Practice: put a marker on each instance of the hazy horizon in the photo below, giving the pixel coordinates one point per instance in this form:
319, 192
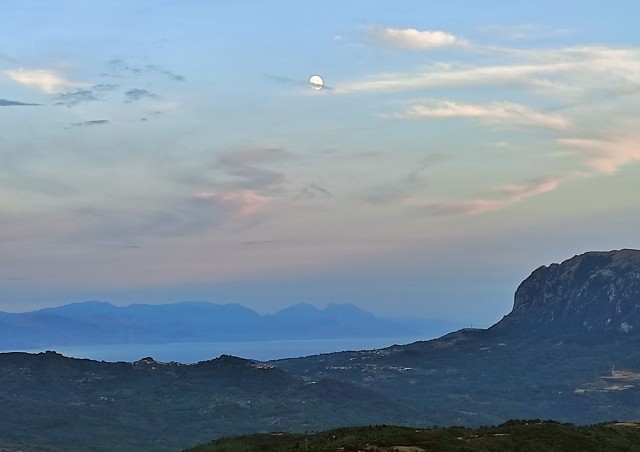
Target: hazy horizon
319, 307
160, 151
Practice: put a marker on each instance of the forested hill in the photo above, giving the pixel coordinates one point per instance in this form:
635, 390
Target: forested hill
531, 435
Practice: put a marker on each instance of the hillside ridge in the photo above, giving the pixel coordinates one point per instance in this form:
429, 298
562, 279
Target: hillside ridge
595, 292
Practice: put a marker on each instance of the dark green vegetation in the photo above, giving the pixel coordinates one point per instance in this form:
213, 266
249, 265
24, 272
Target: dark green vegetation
58, 403
532, 435
481, 378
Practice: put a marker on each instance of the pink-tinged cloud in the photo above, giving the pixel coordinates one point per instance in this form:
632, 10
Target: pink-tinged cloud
411, 38
506, 112
518, 192
511, 194
243, 203
43, 79
607, 156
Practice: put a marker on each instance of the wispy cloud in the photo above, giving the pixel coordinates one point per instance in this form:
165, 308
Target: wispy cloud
95, 122
607, 156
561, 89
243, 203
14, 103
524, 31
410, 38
169, 74
73, 98
46, 80
93, 93
137, 94
403, 189
181, 217
287, 80
561, 72
506, 112
160, 109
245, 186
252, 185
152, 114
315, 191
507, 196
242, 193
249, 171
118, 65
224, 205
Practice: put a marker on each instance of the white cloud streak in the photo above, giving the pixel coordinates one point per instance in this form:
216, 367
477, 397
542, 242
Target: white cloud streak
570, 71
413, 39
524, 31
506, 112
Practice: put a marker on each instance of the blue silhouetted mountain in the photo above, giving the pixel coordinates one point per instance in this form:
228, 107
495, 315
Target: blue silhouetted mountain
337, 320
81, 309
96, 322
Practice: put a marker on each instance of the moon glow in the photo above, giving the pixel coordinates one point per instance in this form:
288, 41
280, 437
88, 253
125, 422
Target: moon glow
316, 82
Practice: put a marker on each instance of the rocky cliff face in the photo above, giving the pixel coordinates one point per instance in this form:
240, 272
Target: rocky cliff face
591, 292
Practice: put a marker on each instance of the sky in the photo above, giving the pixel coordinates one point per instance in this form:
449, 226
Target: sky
160, 151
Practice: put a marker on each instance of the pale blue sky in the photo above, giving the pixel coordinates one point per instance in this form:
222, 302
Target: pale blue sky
172, 150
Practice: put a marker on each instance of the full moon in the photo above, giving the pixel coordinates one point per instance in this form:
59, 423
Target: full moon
316, 82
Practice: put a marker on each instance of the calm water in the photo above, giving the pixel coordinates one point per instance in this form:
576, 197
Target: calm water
194, 352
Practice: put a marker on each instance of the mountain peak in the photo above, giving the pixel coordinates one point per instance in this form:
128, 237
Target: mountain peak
85, 307
598, 291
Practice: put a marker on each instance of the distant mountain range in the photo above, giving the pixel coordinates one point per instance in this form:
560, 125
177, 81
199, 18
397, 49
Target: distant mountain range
569, 351
94, 322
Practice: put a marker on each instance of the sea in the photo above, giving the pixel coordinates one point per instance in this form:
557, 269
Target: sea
193, 352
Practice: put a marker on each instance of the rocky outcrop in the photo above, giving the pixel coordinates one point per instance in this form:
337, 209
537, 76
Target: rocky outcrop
592, 292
